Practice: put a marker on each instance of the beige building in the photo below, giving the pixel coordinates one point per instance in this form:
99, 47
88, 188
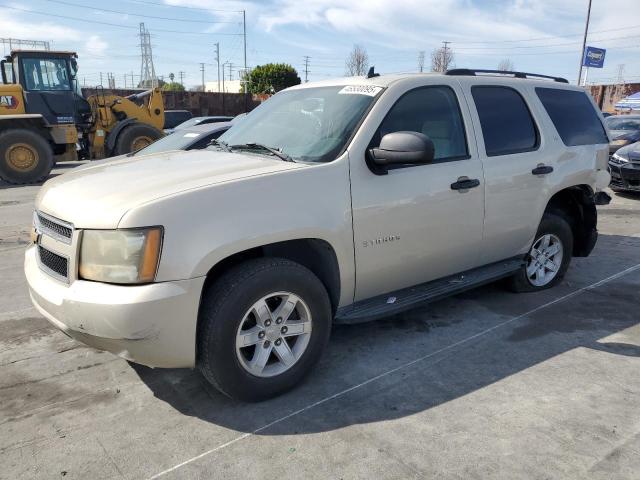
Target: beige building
230, 86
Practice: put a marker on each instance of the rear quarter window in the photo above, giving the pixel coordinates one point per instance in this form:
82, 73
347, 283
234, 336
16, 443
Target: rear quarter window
573, 115
507, 124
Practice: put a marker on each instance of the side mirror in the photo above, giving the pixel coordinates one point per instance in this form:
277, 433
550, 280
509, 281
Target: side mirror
409, 148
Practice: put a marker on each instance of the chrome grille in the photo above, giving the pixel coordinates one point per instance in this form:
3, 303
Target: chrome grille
57, 265
53, 227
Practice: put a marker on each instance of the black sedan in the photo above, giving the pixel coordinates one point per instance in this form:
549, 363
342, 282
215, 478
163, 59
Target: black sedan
624, 166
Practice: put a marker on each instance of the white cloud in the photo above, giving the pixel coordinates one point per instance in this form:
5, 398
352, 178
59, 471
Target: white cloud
95, 46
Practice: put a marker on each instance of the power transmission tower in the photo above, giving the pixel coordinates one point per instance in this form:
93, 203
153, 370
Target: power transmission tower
202, 71
147, 71
306, 68
621, 73
218, 62
181, 75
421, 61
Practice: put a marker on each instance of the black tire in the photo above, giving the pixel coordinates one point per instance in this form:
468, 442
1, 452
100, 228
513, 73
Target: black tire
25, 157
225, 303
133, 136
552, 223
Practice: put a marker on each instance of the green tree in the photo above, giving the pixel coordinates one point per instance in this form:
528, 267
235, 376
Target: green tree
272, 77
173, 87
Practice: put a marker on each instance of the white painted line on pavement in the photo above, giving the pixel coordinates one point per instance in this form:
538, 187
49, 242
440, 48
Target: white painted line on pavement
400, 367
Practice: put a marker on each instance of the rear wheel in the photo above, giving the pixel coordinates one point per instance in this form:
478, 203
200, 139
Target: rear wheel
549, 256
134, 137
263, 326
25, 156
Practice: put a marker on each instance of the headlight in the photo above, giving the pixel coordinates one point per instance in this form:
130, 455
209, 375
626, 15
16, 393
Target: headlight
120, 256
617, 158
621, 142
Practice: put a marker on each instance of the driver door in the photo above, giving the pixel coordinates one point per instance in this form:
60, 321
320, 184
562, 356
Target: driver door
411, 225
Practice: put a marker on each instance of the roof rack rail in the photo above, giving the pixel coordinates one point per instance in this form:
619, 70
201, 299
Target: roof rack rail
469, 72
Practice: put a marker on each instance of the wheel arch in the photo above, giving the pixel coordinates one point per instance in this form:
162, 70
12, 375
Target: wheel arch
36, 123
315, 254
112, 137
577, 204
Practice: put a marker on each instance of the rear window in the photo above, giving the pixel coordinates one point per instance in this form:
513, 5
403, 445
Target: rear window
507, 125
573, 115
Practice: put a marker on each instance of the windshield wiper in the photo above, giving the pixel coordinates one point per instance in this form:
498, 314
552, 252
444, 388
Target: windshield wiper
258, 146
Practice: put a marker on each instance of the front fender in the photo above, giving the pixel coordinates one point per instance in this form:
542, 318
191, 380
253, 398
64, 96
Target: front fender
204, 226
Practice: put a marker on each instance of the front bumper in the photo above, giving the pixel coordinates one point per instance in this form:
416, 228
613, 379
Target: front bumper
625, 176
153, 324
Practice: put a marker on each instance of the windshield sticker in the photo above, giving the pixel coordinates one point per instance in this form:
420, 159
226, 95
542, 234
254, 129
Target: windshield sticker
190, 135
370, 90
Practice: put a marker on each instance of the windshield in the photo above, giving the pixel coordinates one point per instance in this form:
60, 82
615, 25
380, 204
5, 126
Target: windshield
308, 124
46, 74
173, 141
622, 123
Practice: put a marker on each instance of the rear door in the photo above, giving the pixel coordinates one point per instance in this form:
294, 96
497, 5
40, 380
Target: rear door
518, 165
410, 225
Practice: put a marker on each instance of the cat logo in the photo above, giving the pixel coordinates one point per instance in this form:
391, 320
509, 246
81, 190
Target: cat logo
8, 101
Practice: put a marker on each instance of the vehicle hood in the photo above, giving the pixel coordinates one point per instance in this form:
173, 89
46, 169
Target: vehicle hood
97, 196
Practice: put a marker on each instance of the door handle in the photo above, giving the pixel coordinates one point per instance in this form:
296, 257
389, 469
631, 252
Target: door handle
542, 170
464, 183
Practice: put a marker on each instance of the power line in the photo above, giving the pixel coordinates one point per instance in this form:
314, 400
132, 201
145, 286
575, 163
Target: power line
84, 20
550, 37
133, 14
147, 2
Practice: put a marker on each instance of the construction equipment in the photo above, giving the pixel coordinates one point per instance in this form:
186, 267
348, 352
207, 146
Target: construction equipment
44, 117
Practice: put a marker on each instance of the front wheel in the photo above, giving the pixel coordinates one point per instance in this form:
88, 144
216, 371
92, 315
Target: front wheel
549, 256
263, 325
134, 137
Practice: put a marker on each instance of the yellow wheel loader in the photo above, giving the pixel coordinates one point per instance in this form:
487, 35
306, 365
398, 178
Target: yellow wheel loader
44, 118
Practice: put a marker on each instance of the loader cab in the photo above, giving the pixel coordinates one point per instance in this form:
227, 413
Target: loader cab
50, 85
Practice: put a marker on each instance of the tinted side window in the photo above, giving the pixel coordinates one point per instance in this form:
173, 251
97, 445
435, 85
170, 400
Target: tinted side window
433, 111
573, 116
507, 125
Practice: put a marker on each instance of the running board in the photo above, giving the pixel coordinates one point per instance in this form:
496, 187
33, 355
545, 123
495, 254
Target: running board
400, 300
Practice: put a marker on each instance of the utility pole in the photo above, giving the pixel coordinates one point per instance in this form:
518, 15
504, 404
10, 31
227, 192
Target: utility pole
584, 42
125, 81
202, 71
181, 75
223, 75
218, 62
100, 78
246, 72
230, 71
445, 63
306, 68
133, 82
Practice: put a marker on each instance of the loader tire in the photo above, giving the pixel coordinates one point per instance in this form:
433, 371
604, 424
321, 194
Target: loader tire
25, 156
134, 137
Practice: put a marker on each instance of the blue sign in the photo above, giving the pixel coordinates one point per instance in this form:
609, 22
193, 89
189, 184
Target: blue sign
594, 57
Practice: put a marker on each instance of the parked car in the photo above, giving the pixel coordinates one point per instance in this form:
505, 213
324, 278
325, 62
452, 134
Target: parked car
398, 190
192, 138
202, 120
624, 130
624, 166
173, 118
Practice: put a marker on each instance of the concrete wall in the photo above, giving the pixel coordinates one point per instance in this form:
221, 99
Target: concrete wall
606, 96
198, 103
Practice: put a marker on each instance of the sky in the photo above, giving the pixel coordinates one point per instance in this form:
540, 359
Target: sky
540, 36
